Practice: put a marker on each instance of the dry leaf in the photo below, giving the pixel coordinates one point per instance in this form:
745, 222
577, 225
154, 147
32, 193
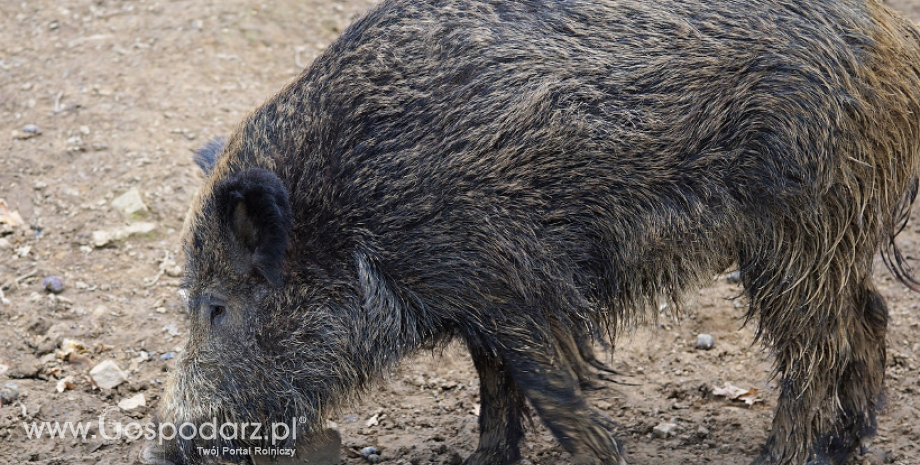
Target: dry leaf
373, 421
66, 384
732, 392
8, 216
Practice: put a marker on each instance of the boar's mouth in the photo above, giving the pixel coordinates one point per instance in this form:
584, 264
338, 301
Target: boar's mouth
157, 454
191, 439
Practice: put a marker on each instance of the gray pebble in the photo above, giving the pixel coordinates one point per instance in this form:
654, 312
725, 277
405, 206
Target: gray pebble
9, 393
30, 129
25, 369
53, 284
705, 341
168, 356
373, 458
734, 277
368, 451
454, 459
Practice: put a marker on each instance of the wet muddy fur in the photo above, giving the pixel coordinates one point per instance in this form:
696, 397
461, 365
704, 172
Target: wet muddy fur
531, 177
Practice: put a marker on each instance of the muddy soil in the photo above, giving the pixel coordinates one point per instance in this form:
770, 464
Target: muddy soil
102, 97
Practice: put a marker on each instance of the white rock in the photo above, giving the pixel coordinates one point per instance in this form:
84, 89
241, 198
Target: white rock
108, 375
665, 430
136, 228
705, 341
131, 203
103, 238
132, 403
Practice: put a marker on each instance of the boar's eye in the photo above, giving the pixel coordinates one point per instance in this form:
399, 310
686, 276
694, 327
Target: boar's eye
217, 313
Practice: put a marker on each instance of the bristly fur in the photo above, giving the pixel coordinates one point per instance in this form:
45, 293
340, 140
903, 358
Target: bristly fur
533, 176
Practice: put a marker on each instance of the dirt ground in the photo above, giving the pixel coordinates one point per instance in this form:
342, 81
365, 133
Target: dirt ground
122, 92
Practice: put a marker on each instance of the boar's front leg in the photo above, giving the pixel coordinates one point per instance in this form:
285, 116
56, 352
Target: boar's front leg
544, 374
502, 409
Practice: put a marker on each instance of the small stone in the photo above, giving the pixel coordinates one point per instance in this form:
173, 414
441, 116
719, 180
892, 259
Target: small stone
53, 284
132, 403
103, 238
108, 375
734, 277
136, 229
168, 356
28, 131
9, 393
373, 458
29, 368
664, 430
367, 451
705, 341
131, 203
5, 244
702, 432
454, 458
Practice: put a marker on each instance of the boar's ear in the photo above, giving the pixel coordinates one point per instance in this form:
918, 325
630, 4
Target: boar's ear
206, 156
254, 208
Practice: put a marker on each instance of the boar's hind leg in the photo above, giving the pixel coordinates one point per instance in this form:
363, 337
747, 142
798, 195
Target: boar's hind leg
829, 342
502, 409
860, 387
551, 385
